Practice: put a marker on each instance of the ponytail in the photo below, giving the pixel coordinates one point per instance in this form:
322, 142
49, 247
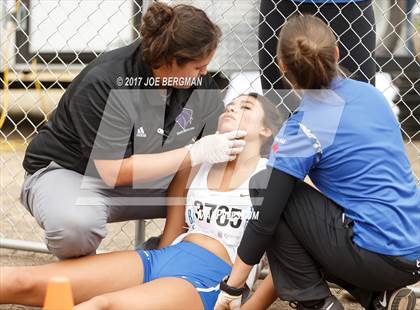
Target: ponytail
182, 32
307, 47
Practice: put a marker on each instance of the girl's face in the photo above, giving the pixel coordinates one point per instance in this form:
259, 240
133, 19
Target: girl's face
244, 113
188, 71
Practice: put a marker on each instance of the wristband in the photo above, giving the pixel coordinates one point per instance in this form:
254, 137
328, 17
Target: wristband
234, 291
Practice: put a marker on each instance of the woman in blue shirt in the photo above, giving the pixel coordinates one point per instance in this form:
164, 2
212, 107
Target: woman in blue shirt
361, 230
352, 21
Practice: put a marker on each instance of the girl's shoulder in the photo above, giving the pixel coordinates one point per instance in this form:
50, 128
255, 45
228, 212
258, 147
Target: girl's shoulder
262, 164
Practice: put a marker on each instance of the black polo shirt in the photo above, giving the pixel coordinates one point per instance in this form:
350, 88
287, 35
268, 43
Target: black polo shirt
110, 111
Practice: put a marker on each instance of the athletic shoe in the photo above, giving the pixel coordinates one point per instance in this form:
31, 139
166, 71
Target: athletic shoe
330, 303
399, 299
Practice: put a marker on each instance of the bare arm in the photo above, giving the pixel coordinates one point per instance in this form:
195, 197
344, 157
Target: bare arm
264, 296
142, 167
240, 273
175, 214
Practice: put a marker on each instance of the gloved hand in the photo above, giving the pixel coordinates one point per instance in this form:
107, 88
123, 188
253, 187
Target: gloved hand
226, 301
217, 148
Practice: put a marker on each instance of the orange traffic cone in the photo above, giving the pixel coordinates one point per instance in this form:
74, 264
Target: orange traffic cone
59, 295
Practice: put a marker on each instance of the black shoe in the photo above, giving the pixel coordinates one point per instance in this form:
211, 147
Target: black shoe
330, 303
399, 299
152, 243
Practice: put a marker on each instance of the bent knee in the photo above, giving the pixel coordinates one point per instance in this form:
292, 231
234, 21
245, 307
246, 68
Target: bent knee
75, 236
20, 283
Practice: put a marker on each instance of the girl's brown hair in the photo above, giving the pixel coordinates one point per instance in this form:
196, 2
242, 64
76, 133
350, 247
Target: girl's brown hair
181, 32
307, 47
273, 120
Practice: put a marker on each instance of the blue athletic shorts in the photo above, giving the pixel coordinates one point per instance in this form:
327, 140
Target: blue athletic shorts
188, 261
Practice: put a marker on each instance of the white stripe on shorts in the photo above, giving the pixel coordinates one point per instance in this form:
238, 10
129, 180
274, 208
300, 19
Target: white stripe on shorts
208, 289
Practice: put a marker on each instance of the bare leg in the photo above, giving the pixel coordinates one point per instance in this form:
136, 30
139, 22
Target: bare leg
89, 276
160, 294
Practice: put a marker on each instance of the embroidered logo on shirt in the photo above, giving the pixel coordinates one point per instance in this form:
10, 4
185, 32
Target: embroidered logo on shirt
276, 144
184, 119
141, 133
275, 147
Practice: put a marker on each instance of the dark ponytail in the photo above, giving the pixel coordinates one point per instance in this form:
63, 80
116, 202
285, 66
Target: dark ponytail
182, 32
157, 18
307, 47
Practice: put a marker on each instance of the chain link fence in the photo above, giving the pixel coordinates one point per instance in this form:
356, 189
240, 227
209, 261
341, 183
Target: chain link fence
46, 43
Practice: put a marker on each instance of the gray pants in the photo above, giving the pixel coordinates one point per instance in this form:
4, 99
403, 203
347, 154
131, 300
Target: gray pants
73, 209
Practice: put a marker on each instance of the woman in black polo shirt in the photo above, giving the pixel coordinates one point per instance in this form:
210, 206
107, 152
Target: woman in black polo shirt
120, 130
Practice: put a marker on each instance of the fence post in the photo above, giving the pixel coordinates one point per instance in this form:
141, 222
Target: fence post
140, 231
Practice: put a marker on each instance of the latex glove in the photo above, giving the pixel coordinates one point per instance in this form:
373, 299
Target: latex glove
226, 301
217, 148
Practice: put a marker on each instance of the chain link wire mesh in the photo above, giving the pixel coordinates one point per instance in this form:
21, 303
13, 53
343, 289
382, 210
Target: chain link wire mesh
45, 44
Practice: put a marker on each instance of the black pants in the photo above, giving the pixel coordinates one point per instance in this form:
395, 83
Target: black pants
313, 245
353, 24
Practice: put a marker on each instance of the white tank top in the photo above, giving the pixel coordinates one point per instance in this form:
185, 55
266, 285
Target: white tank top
220, 215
